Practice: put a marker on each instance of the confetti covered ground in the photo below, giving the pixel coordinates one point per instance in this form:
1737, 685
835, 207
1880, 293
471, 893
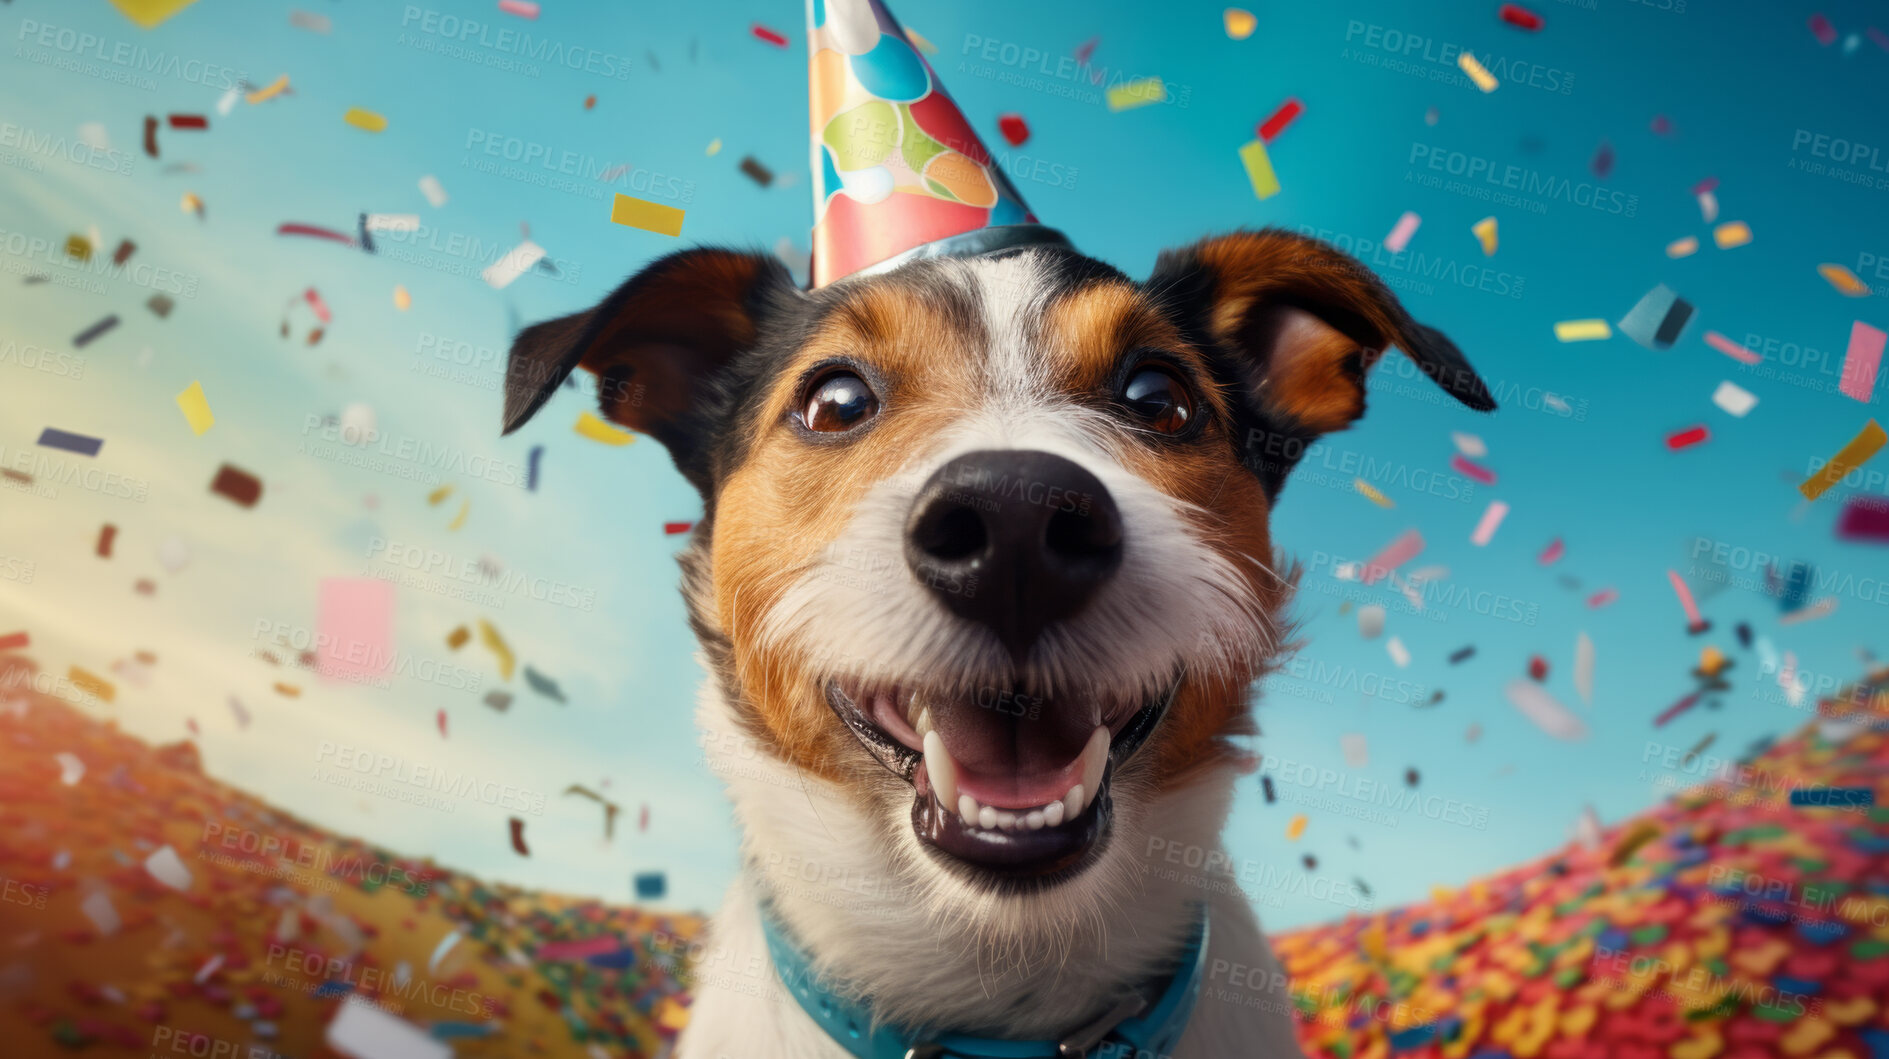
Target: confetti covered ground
1728, 923
278, 924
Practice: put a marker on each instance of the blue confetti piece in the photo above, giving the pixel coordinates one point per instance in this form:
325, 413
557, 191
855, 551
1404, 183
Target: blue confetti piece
1413, 1037
54, 438
1656, 322
446, 1031
1834, 797
84, 338
531, 467
1823, 931
1613, 939
1803, 986
327, 989
651, 885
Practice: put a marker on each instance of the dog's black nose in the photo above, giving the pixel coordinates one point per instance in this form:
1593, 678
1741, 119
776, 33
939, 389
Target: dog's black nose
1013, 539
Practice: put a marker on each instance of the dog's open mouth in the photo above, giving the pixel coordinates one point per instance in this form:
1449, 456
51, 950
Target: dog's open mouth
1005, 780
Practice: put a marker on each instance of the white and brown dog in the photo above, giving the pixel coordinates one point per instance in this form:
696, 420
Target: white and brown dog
984, 574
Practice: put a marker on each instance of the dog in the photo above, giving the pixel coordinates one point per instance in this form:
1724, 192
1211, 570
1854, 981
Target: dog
982, 584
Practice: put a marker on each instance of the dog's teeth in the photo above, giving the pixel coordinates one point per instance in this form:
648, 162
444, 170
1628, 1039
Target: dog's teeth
942, 770
1007, 821
967, 809
1053, 814
923, 727
1073, 803
987, 817
1033, 820
1094, 759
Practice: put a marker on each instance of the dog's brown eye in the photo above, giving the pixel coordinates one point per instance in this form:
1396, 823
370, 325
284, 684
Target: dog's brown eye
1160, 399
840, 401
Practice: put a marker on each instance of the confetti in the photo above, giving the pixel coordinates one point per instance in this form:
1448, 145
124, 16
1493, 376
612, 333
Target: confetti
1370, 621
521, 8
649, 216
65, 441
1731, 234
355, 627
237, 485
1462, 654
1552, 553
1732, 349
1485, 232
671, 529
1687, 438
272, 90
518, 837
1519, 17
1683, 247
1734, 399
1532, 701
714, 147
1821, 28
435, 194
362, 1030
1401, 232
440, 950
1395, 554
402, 300
167, 867
1863, 519
1398, 652
750, 167
465, 507
544, 685
1657, 320
1861, 362
1602, 163
1694, 623
71, 769
489, 636
1844, 280
314, 231
1370, 492
1823, 608
1483, 78
1259, 170
1357, 752
498, 699
365, 120
517, 261
1295, 827
1582, 330
98, 908
531, 467
1491, 521
763, 33
86, 337
240, 711
651, 885
1284, 116
1708, 206
590, 426
1132, 94
1015, 130
1469, 445
1867, 442
1666, 716
1240, 23
196, 409
310, 21
1464, 467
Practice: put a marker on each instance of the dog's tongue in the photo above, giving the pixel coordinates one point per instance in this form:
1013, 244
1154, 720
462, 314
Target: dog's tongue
1016, 752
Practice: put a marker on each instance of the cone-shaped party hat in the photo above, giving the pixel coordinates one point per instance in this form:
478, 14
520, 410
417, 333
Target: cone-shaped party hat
897, 171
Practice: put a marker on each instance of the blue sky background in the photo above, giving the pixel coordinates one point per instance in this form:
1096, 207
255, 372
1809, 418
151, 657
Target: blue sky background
1737, 81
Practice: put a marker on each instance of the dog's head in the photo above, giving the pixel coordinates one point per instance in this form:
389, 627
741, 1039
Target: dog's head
985, 542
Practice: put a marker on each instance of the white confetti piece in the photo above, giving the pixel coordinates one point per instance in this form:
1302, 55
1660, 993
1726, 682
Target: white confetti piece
173, 554
99, 909
393, 222
364, 1031
166, 867
1469, 445
1584, 667
430, 187
1734, 399
1370, 621
1398, 652
1534, 703
1357, 751
516, 262
71, 769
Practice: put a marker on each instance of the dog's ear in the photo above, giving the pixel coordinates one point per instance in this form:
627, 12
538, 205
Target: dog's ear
1297, 324
655, 344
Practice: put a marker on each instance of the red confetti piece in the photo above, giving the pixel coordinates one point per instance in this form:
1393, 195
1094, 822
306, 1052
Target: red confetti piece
1602, 598
106, 534
1464, 467
763, 33
518, 837
296, 228
1520, 17
1687, 438
1538, 668
1281, 118
1603, 163
189, 121
1662, 125
237, 485
642, 819
150, 135
321, 307
1821, 28
442, 724
1552, 553
13, 641
672, 528
1014, 128
1676, 709
1086, 49
1865, 519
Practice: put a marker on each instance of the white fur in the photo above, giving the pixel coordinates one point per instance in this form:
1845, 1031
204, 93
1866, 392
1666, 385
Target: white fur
841, 864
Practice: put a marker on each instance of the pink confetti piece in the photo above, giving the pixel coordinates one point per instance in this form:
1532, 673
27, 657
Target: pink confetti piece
355, 619
1693, 620
1462, 465
521, 8
1602, 598
1394, 555
1862, 361
1881, 38
1492, 517
1676, 709
1732, 349
1706, 186
313, 298
1552, 553
1821, 28
1400, 235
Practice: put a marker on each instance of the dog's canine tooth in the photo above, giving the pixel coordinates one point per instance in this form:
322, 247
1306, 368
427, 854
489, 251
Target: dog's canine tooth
941, 769
1053, 814
1073, 802
967, 809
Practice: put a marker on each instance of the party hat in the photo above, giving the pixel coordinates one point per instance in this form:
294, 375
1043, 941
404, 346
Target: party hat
897, 172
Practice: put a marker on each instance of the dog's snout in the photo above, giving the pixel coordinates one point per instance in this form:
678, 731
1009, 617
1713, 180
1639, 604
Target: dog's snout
1013, 539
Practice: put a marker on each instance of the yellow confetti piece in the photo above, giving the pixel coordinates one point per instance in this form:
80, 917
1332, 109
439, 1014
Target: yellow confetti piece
496, 644
714, 147
1259, 169
196, 409
91, 683
1296, 827
433, 498
288, 690
365, 119
149, 13
1683, 247
1485, 231
1582, 330
402, 300
918, 41
191, 203
1844, 280
1370, 493
458, 637
589, 426
649, 216
272, 90
1483, 78
79, 247
1731, 234
1240, 23
460, 519
1137, 94
1867, 442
